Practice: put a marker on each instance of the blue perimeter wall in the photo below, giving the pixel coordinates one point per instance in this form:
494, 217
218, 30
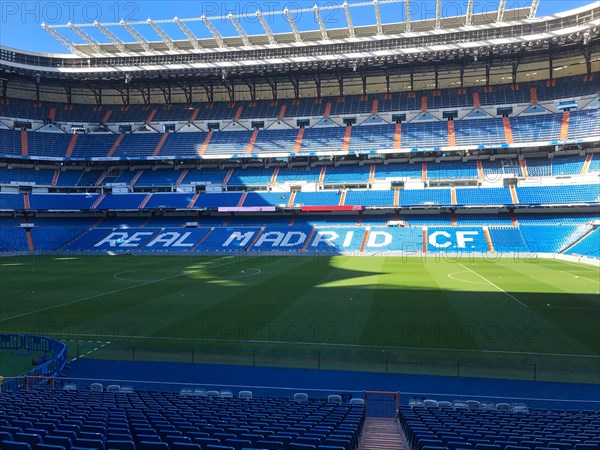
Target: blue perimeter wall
282, 382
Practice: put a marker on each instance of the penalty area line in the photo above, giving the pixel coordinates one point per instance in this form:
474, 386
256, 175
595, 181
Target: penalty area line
496, 286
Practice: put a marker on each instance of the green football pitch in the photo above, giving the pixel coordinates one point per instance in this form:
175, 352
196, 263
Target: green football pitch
503, 318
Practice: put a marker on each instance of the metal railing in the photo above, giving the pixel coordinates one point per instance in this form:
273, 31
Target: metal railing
51, 364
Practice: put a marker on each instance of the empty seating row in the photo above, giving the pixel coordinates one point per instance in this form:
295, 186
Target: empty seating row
471, 425
504, 94
70, 419
413, 135
434, 197
300, 234
347, 174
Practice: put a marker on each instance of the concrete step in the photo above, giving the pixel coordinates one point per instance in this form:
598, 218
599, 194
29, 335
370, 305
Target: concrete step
381, 434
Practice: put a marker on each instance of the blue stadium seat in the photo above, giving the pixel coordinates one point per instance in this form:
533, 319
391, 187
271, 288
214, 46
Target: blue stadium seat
147, 445
120, 445
5, 436
271, 445
12, 445
207, 441
185, 446
90, 443
32, 439
58, 440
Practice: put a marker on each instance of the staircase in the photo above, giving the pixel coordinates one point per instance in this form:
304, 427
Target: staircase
381, 434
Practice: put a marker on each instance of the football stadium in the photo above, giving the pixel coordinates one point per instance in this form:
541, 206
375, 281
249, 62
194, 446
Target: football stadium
290, 226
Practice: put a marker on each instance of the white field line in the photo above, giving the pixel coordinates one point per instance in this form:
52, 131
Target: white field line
581, 267
579, 277
102, 345
496, 286
452, 277
116, 291
115, 337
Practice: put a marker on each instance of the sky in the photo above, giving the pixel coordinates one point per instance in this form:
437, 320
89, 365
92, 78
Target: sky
20, 21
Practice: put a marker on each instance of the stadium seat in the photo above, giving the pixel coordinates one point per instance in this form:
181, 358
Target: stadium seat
120, 445
31, 439
5, 436
145, 445
300, 397
60, 441
245, 395
238, 444
271, 445
12, 445
90, 443
207, 441
336, 399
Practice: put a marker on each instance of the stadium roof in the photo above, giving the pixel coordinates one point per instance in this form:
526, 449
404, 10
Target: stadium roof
496, 35
143, 34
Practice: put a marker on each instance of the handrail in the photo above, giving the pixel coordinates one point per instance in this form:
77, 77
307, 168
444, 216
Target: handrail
49, 368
